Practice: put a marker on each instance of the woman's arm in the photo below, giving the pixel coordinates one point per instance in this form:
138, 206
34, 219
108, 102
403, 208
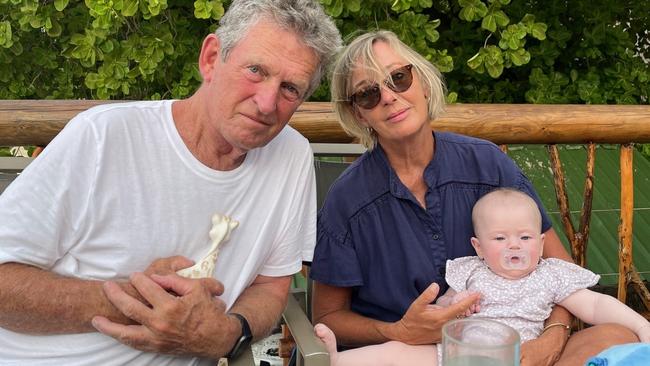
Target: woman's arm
547, 348
422, 323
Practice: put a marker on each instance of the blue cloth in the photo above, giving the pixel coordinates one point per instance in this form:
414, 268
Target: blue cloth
631, 354
375, 237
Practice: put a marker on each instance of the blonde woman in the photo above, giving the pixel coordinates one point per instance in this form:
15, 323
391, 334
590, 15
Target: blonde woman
398, 213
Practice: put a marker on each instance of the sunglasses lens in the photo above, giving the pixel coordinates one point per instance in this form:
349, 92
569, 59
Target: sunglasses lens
400, 81
367, 98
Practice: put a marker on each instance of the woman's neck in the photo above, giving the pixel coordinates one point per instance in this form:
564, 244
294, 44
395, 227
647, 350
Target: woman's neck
411, 154
409, 158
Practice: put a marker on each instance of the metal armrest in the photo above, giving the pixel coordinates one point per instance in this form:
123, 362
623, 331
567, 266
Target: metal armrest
310, 348
245, 359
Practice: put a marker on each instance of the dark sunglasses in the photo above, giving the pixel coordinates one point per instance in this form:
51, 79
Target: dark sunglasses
399, 81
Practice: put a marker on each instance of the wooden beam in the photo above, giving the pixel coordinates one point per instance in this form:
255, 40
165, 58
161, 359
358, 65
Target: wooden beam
36, 122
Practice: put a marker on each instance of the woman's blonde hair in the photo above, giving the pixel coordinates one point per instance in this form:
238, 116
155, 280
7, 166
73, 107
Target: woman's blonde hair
359, 54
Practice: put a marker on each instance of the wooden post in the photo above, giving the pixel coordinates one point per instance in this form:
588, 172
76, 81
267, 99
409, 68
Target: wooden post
625, 226
579, 253
561, 196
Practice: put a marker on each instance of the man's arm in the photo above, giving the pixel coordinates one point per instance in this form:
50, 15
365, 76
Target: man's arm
36, 301
186, 317
262, 303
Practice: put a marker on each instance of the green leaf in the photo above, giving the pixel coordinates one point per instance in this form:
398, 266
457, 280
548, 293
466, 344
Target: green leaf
55, 30
201, 10
130, 7
539, 31
91, 80
475, 61
353, 5
337, 9
489, 23
501, 18
431, 33
494, 70
518, 57
59, 5
467, 14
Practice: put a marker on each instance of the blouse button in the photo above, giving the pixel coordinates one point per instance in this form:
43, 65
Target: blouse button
435, 236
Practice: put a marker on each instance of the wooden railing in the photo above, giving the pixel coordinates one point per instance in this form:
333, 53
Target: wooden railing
37, 122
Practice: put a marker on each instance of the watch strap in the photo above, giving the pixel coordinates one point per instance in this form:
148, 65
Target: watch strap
243, 340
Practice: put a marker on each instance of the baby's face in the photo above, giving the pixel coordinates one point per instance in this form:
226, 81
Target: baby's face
509, 240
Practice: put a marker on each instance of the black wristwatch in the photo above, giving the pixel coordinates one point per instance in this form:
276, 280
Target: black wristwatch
244, 339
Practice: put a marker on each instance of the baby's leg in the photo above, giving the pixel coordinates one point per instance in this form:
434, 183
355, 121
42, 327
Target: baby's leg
386, 354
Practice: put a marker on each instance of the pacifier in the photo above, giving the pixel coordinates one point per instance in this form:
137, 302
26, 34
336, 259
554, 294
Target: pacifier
515, 259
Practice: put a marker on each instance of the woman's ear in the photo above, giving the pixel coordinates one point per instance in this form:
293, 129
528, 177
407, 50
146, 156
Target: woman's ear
209, 56
477, 247
359, 116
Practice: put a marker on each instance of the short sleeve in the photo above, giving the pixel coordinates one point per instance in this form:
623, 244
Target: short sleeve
459, 270
43, 209
569, 278
298, 238
335, 261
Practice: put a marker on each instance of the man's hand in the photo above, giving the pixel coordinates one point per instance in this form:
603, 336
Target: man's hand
169, 265
184, 317
160, 266
422, 323
544, 350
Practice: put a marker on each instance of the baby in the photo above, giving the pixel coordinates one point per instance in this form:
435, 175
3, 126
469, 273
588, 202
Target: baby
517, 286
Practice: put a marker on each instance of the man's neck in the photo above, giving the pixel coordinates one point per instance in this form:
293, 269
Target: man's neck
202, 138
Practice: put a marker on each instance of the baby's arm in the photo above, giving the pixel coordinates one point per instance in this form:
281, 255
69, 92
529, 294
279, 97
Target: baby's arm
451, 297
596, 308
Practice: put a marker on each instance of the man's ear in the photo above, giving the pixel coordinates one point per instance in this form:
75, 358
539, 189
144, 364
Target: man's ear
209, 56
477, 246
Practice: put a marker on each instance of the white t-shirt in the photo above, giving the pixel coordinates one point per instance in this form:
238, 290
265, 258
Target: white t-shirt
117, 188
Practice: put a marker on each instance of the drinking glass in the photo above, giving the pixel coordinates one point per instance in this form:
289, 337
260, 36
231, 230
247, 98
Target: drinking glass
479, 342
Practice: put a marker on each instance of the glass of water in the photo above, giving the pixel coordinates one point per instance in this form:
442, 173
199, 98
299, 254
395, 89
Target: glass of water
479, 342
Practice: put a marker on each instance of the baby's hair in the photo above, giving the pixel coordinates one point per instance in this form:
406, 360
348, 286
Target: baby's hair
503, 194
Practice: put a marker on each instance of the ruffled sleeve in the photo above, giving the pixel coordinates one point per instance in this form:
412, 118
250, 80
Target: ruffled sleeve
335, 260
459, 270
569, 278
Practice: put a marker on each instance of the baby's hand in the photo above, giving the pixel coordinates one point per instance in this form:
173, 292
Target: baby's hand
644, 333
474, 308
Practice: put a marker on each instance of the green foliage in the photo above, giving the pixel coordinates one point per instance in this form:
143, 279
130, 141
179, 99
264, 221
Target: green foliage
491, 51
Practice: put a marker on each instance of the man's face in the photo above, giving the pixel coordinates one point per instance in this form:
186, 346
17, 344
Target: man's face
260, 85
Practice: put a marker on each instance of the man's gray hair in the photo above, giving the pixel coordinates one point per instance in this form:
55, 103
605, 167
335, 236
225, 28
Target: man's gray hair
306, 18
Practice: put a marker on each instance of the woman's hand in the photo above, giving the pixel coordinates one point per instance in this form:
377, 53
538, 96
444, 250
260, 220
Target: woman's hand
544, 350
474, 307
422, 323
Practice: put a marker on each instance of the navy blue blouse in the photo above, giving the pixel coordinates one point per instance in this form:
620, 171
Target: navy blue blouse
374, 236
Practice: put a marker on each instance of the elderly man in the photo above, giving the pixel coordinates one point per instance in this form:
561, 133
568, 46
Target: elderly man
125, 184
